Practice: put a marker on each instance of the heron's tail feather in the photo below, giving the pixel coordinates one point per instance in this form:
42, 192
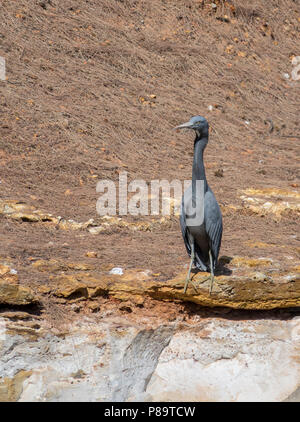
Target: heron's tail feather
199, 261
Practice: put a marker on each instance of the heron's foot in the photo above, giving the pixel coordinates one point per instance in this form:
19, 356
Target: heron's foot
211, 278
187, 281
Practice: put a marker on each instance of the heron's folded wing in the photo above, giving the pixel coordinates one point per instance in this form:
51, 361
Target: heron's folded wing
184, 230
199, 260
214, 230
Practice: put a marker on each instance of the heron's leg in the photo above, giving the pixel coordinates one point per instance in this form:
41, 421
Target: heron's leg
190, 268
212, 276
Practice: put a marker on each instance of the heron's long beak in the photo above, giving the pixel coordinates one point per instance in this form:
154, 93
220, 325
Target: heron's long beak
186, 125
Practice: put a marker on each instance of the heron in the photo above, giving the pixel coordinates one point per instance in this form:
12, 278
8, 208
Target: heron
200, 216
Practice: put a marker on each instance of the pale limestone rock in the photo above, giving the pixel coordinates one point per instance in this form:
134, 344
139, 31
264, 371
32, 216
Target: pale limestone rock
240, 361
214, 359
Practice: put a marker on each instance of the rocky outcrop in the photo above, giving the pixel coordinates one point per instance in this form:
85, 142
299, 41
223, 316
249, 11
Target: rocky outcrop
271, 201
11, 293
254, 291
211, 359
20, 211
252, 284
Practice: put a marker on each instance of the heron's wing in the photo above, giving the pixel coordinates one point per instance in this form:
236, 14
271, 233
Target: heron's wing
213, 224
184, 228
215, 236
199, 261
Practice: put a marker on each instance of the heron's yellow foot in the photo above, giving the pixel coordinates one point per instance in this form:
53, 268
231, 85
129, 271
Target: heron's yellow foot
188, 280
211, 278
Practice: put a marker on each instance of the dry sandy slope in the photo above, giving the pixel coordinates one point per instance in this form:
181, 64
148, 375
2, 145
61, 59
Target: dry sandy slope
76, 108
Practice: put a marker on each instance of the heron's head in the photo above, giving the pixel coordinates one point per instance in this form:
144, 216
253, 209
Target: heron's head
199, 124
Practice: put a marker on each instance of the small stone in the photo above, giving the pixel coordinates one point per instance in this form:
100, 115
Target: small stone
65, 123
219, 173
96, 230
91, 254
16, 315
117, 271
262, 171
4, 269
125, 307
94, 307
30, 218
76, 308
79, 374
69, 287
44, 289
138, 300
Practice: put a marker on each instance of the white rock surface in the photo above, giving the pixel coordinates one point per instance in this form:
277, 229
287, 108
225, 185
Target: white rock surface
215, 359
226, 361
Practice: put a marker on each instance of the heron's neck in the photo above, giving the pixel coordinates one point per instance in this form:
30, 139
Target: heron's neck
198, 164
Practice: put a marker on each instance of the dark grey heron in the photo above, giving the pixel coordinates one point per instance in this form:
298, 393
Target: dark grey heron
200, 217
